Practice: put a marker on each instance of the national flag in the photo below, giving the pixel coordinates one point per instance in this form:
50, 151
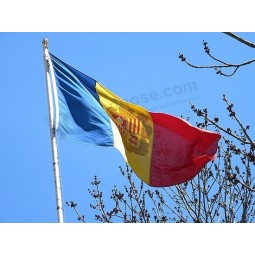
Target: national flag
163, 150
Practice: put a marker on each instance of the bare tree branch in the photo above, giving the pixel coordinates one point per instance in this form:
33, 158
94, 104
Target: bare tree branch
223, 64
218, 67
73, 205
240, 39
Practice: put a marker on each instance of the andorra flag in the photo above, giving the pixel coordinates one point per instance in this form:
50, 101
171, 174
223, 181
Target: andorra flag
162, 150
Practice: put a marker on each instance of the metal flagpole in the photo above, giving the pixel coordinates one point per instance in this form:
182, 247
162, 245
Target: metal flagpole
49, 82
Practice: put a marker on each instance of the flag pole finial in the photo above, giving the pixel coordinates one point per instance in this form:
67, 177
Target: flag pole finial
45, 42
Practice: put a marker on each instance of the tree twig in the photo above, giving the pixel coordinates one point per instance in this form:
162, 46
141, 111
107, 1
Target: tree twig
240, 39
223, 64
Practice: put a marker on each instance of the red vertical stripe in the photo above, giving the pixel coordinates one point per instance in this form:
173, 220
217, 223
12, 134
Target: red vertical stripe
138, 127
179, 150
134, 126
129, 124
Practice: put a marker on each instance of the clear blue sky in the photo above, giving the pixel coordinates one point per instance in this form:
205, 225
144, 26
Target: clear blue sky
140, 67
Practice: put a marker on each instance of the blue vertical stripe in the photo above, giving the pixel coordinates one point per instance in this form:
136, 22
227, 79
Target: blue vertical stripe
82, 118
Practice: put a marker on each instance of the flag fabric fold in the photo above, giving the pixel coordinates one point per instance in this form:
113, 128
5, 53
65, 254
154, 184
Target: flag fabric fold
162, 150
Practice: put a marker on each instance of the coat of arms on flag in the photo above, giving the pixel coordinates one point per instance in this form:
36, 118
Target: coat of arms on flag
133, 128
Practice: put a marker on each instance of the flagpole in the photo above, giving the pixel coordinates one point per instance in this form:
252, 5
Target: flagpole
49, 78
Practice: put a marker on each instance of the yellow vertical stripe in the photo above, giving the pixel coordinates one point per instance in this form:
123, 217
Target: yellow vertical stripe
137, 141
